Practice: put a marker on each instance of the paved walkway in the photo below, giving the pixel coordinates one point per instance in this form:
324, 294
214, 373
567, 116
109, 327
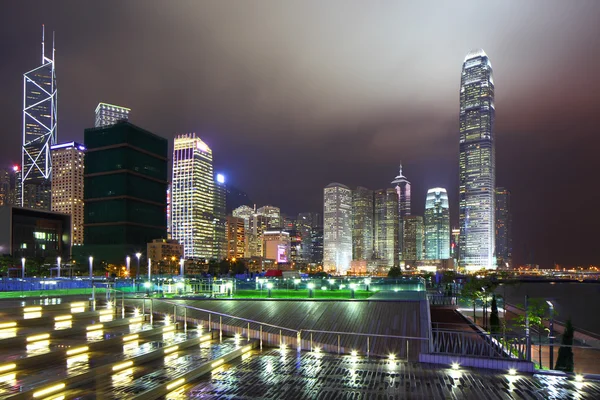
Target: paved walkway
272, 376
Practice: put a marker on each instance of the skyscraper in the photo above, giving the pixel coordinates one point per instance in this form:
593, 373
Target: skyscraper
386, 226
109, 114
273, 215
337, 228
235, 231
39, 132
437, 225
305, 222
220, 240
402, 186
362, 224
477, 163
413, 238
503, 227
193, 197
67, 185
10, 186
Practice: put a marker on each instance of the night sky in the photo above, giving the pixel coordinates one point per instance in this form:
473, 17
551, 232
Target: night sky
293, 95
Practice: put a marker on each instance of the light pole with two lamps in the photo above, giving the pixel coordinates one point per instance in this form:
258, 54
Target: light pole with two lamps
551, 334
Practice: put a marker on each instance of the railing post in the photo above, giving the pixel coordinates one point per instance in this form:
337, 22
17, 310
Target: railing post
93, 297
280, 338
209, 322
339, 344
123, 305
368, 347
407, 342
261, 337
220, 328
248, 333
151, 311
299, 342
174, 314
144, 308
185, 319
311, 342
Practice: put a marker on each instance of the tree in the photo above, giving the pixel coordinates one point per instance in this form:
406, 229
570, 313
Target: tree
564, 362
494, 319
394, 272
537, 311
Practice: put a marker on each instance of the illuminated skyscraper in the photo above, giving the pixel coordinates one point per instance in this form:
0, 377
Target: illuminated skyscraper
503, 227
305, 223
437, 225
220, 239
109, 114
273, 215
362, 224
236, 237
10, 186
39, 132
402, 186
67, 185
193, 197
413, 238
386, 226
477, 163
337, 228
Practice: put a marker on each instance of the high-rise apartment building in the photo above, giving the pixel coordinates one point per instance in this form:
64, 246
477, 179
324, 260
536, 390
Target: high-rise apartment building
39, 132
362, 224
235, 232
503, 227
193, 197
273, 215
67, 185
412, 238
109, 114
437, 225
124, 190
477, 163
337, 228
386, 226
402, 186
220, 240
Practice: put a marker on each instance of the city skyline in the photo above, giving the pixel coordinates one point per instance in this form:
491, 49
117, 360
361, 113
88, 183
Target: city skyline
537, 141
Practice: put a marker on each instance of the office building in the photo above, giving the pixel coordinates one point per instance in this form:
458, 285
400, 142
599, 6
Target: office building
34, 234
236, 236
337, 228
276, 246
296, 248
437, 225
386, 226
305, 222
124, 190
503, 228
168, 251
193, 197
412, 239
402, 186
455, 235
109, 114
10, 186
362, 224
168, 197
477, 174
67, 185
39, 132
316, 254
220, 238
273, 215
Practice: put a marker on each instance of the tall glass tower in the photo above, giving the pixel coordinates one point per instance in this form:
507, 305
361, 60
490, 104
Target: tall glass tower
402, 186
477, 165
39, 132
386, 226
503, 227
437, 225
362, 224
337, 228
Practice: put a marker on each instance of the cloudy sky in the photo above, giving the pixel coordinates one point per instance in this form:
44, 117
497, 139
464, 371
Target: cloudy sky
293, 95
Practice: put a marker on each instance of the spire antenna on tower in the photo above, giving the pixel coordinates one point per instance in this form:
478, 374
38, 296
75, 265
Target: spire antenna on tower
43, 38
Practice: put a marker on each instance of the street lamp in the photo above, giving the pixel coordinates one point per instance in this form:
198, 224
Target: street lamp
331, 283
181, 267
269, 287
128, 262
23, 267
58, 263
352, 289
91, 260
551, 334
310, 287
137, 272
149, 268
296, 283
367, 283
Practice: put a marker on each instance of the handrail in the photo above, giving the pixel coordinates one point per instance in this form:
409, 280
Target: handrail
365, 334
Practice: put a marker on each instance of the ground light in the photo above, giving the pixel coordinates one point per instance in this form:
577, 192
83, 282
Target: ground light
579, 378
455, 366
392, 357
512, 371
354, 353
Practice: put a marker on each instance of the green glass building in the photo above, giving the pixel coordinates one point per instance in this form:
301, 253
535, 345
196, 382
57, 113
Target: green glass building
124, 192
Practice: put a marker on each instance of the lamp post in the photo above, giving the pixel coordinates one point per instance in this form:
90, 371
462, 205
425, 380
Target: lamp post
127, 263
58, 264
352, 289
149, 269
331, 283
551, 334
181, 261
310, 287
137, 272
296, 283
23, 267
484, 308
91, 260
367, 283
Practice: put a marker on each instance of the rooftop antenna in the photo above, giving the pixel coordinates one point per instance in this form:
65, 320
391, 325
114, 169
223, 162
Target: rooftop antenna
43, 35
53, 47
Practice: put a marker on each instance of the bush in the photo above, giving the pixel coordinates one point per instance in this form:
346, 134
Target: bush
564, 362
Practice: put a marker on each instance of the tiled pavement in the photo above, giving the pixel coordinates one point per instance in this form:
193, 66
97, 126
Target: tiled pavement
272, 376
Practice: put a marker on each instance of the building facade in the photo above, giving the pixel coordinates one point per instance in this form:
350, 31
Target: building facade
402, 186
193, 197
362, 224
109, 114
220, 237
276, 246
235, 231
503, 228
337, 228
386, 226
10, 186
124, 190
437, 225
167, 250
412, 239
273, 215
67, 185
39, 132
477, 174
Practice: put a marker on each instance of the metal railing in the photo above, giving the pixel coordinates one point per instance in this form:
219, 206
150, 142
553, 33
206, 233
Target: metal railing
477, 344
